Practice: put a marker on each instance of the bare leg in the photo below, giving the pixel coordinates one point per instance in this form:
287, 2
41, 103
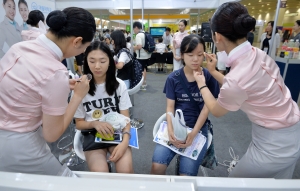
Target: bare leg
124, 164
96, 160
158, 169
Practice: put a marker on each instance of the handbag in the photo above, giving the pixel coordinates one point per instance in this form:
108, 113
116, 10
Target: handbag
210, 159
89, 135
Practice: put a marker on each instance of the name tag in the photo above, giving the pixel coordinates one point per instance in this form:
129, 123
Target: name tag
266, 49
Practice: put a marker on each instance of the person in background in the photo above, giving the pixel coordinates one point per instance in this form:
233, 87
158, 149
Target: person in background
167, 38
23, 9
178, 36
106, 34
36, 21
142, 55
250, 36
195, 113
128, 44
296, 29
107, 41
102, 39
286, 36
79, 61
255, 86
199, 32
125, 34
104, 86
35, 87
10, 30
160, 48
265, 40
123, 62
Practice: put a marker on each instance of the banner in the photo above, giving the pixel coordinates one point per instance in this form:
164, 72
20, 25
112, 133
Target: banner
13, 17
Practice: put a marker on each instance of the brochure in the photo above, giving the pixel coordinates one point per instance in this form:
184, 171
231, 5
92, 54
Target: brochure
192, 151
133, 142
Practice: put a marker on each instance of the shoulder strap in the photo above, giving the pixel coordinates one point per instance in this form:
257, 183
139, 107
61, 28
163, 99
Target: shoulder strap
117, 102
187, 91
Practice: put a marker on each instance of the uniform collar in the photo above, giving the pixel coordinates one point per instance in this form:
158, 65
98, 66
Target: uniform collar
50, 45
237, 52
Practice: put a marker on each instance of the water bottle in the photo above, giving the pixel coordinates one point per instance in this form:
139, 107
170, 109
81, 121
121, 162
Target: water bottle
283, 49
291, 43
297, 44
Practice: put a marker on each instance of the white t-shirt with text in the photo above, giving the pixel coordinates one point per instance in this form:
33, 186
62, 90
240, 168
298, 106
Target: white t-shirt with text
94, 107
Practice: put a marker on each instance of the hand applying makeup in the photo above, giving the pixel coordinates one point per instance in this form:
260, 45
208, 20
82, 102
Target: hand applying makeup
211, 61
199, 77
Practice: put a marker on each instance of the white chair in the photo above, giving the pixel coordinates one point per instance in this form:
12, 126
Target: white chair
78, 145
136, 88
137, 123
156, 128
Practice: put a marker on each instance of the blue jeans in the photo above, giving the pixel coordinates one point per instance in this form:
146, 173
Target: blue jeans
127, 83
187, 166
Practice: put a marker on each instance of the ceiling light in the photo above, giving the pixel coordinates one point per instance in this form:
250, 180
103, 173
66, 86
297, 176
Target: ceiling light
259, 1
287, 11
268, 4
249, 3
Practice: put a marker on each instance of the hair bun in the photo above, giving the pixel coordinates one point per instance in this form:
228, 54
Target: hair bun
243, 24
29, 21
56, 20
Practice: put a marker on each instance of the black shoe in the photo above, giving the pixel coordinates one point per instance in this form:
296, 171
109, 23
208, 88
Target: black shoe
159, 69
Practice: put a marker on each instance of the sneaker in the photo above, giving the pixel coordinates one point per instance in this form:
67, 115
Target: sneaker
137, 123
143, 87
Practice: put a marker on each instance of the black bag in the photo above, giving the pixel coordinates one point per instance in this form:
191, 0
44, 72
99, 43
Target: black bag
136, 67
89, 135
149, 42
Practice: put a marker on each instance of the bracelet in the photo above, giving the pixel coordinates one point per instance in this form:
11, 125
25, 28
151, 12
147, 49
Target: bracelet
127, 132
202, 87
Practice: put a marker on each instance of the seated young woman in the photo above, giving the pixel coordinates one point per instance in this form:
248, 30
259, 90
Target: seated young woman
121, 57
107, 94
196, 116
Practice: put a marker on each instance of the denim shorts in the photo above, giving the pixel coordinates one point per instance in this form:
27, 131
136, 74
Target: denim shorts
127, 83
187, 166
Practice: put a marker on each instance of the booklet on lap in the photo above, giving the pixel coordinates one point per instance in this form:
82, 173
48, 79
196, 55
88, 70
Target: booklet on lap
133, 142
192, 151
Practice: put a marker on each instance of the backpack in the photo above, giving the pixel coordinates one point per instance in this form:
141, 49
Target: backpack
149, 43
136, 67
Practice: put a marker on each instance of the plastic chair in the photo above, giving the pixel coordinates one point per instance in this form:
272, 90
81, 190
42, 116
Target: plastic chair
156, 128
136, 88
137, 123
77, 143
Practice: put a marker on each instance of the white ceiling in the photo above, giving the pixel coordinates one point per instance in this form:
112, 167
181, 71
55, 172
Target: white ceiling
137, 4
